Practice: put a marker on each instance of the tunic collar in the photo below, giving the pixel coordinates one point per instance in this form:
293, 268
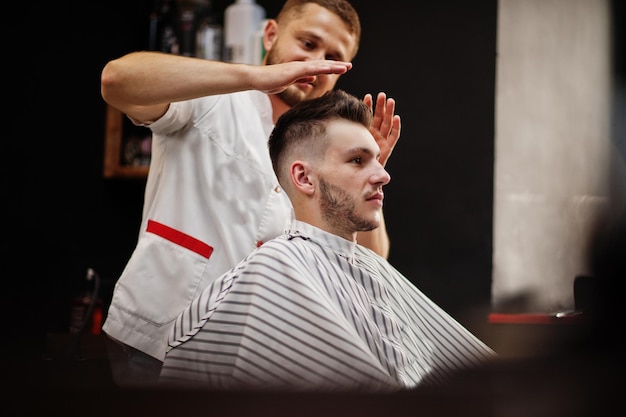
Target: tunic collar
341, 246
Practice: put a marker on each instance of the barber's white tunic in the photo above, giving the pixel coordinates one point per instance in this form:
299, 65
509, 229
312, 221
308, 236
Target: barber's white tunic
312, 311
211, 198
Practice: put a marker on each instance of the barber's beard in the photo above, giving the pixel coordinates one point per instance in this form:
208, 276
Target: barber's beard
339, 210
292, 95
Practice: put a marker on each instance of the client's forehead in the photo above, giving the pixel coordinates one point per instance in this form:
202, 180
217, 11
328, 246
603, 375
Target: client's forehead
346, 134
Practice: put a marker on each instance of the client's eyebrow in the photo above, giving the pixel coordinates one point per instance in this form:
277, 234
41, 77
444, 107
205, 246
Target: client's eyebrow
362, 150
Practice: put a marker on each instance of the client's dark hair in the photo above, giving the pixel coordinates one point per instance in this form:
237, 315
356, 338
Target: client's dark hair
304, 125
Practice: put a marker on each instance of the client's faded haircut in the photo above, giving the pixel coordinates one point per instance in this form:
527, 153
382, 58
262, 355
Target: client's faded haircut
304, 125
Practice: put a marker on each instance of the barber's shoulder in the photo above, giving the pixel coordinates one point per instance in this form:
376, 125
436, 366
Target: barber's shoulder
176, 116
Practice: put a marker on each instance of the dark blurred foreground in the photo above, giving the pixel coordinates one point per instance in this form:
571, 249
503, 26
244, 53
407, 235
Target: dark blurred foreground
562, 369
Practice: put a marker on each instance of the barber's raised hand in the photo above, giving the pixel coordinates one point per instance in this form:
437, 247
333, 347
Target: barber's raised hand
275, 78
386, 124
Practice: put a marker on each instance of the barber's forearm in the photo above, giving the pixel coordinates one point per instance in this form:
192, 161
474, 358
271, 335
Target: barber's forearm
152, 80
376, 240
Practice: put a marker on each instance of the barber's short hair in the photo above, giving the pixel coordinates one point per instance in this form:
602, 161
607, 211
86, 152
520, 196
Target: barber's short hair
341, 8
303, 127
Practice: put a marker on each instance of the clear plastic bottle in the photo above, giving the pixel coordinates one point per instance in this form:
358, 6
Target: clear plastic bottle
241, 22
209, 35
258, 49
209, 41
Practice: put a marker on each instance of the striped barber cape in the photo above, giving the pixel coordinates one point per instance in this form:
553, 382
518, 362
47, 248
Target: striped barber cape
309, 310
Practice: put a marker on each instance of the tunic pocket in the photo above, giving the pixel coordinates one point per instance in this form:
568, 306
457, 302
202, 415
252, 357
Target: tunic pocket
163, 274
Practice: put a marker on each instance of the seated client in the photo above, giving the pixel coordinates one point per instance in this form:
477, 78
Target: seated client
312, 309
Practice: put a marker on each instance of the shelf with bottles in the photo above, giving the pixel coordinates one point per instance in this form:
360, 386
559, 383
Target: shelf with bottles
189, 28
186, 27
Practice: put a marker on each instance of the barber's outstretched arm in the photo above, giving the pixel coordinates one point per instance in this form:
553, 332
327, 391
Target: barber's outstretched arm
376, 240
142, 84
386, 131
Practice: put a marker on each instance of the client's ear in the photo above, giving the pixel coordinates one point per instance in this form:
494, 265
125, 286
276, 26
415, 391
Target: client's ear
302, 177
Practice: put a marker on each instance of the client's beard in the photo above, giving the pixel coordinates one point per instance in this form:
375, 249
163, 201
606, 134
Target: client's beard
338, 209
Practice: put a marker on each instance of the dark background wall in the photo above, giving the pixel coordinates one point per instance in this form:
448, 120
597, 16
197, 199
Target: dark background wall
436, 58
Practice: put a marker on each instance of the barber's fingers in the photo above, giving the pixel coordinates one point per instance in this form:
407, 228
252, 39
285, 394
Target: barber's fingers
386, 124
277, 77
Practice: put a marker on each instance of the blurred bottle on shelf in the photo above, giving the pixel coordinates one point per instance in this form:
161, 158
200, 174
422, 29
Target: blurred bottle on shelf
209, 33
187, 32
258, 49
185, 27
86, 313
164, 33
241, 22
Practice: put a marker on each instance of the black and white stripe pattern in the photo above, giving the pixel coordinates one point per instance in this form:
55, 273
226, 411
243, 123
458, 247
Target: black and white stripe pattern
312, 311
